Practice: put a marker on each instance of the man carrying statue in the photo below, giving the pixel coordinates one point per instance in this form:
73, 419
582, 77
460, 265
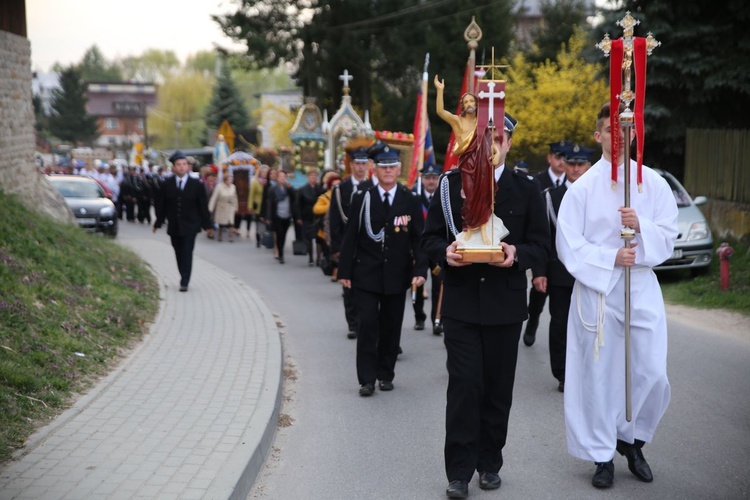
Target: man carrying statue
484, 304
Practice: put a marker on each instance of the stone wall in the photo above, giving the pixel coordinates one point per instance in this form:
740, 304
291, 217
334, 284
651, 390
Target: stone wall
18, 172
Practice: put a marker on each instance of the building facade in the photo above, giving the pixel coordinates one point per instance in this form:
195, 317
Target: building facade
120, 109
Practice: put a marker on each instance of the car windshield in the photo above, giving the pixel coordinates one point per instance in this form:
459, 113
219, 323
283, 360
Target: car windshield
76, 189
680, 195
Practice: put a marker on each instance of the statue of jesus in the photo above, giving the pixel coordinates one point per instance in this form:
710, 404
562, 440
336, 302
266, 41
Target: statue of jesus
477, 159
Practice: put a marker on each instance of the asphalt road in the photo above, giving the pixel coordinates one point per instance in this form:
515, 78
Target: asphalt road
389, 446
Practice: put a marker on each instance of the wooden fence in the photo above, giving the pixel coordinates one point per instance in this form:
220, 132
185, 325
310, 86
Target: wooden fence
717, 164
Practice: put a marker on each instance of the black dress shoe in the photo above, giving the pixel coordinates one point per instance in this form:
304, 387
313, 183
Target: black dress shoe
183, 288
385, 385
489, 480
561, 386
636, 461
367, 390
351, 335
604, 475
530, 336
437, 329
419, 325
457, 489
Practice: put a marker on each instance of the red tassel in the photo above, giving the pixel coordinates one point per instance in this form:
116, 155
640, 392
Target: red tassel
615, 88
639, 60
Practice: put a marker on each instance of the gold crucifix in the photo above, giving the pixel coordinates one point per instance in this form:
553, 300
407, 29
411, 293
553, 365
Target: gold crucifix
492, 68
628, 23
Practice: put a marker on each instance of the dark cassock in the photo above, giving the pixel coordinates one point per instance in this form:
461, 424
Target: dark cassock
483, 310
380, 259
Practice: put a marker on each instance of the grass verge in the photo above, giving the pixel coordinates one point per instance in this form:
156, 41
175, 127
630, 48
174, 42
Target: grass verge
70, 304
704, 292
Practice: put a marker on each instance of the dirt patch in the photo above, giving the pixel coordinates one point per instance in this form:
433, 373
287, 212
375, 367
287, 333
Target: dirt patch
716, 321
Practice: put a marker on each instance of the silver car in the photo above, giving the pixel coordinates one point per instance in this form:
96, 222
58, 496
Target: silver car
694, 247
88, 201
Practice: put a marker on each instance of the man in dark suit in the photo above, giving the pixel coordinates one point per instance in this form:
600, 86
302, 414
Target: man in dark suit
426, 188
380, 259
341, 199
483, 309
183, 203
552, 177
553, 279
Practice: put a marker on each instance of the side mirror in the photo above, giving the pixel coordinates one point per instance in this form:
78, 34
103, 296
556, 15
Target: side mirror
700, 200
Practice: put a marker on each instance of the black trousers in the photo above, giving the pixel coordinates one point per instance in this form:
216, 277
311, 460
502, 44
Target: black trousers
559, 305
183, 250
481, 372
379, 334
350, 310
419, 314
536, 303
144, 210
280, 227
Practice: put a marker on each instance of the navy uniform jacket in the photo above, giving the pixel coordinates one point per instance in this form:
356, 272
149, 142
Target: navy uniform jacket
337, 222
554, 270
480, 293
545, 182
387, 267
186, 210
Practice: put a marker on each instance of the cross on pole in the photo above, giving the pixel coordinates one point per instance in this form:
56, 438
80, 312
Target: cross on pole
491, 96
346, 77
624, 53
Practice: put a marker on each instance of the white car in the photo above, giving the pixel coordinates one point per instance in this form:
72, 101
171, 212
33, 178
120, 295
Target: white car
694, 247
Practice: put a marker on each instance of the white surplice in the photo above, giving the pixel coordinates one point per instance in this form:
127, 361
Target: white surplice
588, 238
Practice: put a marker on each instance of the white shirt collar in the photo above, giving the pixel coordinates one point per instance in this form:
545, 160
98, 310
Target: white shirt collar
391, 193
499, 172
554, 177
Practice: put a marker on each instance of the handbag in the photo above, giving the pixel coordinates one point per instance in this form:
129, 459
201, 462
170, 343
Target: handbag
267, 239
299, 247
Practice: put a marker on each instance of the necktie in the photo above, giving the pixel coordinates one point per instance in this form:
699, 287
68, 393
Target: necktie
180, 184
557, 182
386, 202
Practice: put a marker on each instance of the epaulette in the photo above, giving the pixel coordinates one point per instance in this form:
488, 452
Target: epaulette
524, 176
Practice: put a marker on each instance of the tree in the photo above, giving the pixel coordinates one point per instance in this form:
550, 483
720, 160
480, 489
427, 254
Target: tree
69, 120
559, 20
226, 104
382, 44
94, 67
178, 121
202, 61
554, 100
698, 78
153, 65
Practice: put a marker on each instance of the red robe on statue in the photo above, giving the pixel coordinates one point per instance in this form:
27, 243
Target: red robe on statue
477, 180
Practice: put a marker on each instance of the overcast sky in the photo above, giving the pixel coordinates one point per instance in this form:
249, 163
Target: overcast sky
62, 30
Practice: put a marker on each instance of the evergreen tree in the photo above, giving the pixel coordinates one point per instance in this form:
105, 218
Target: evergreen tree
559, 19
94, 67
69, 120
226, 104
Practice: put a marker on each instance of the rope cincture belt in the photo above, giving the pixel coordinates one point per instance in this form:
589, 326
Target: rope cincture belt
601, 309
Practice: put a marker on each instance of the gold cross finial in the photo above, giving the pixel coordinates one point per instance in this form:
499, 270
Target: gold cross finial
492, 68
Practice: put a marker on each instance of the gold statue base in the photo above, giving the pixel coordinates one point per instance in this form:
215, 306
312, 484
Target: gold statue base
481, 255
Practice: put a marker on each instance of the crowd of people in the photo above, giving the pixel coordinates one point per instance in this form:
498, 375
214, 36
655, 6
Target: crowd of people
380, 240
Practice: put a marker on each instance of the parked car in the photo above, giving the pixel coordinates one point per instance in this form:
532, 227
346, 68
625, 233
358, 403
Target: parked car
694, 247
93, 210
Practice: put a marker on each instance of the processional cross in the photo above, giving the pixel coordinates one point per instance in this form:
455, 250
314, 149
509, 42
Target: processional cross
627, 53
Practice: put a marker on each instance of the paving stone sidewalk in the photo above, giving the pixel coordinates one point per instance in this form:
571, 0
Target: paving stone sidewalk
189, 414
